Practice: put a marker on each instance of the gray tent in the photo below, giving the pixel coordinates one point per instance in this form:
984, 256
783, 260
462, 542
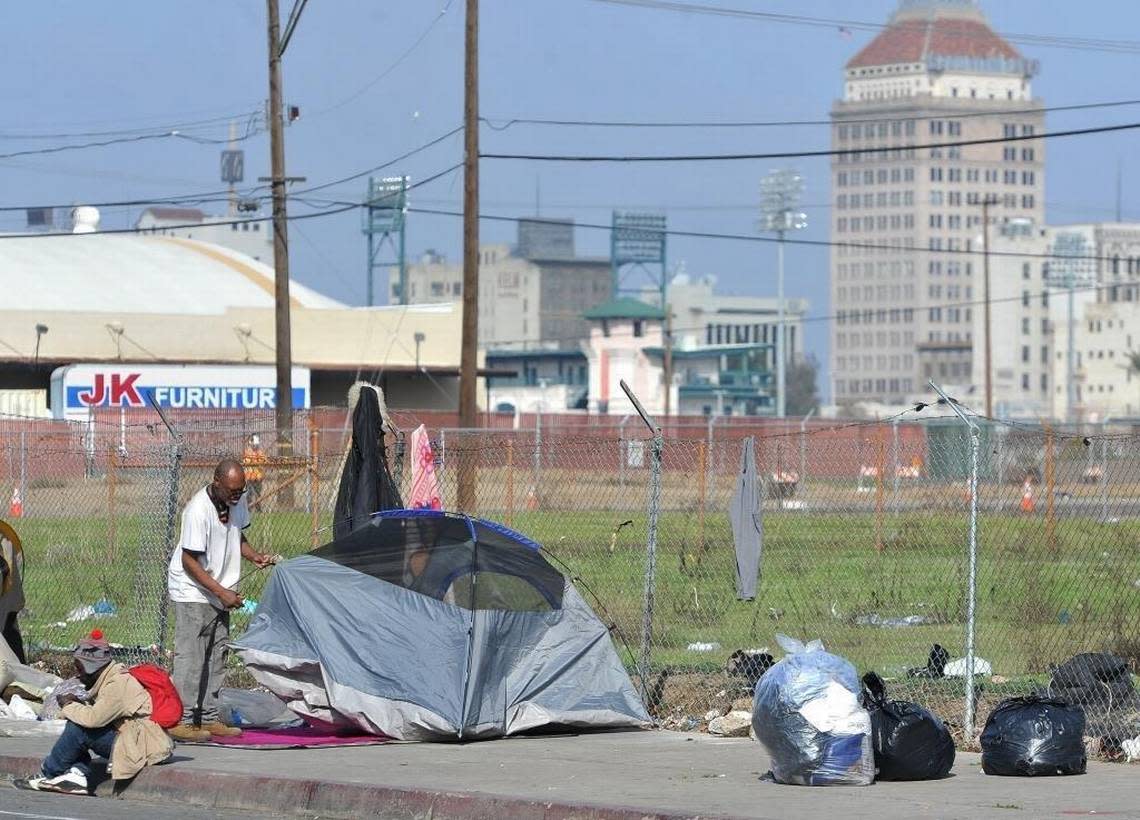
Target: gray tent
426, 625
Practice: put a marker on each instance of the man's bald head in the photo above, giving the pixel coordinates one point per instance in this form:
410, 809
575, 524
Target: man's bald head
227, 468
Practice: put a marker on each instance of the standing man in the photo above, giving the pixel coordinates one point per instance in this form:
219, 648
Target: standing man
11, 589
253, 459
202, 581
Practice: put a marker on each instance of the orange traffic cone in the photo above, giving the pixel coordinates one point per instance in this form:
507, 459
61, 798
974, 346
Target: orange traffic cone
16, 506
1027, 505
532, 499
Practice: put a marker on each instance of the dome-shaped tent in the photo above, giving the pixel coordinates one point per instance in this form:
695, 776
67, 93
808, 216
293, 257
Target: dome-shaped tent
425, 625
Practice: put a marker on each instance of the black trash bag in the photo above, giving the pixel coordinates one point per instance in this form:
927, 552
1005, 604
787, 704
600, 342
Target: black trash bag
935, 664
1034, 736
1093, 679
750, 664
909, 741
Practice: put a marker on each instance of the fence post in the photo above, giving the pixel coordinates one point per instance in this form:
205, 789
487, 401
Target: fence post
111, 477
1050, 490
621, 450
538, 452
510, 482
174, 478
971, 594
972, 577
880, 489
896, 502
1104, 475
24, 471
315, 480
702, 491
645, 657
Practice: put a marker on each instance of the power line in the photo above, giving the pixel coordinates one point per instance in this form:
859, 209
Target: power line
833, 316
383, 165
341, 208
121, 132
502, 124
392, 66
206, 197
57, 149
1046, 40
1075, 132
816, 243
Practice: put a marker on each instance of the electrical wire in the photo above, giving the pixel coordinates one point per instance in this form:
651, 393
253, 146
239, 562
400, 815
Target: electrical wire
383, 165
342, 208
835, 152
57, 149
223, 195
391, 67
1046, 40
119, 132
818, 243
502, 123
834, 316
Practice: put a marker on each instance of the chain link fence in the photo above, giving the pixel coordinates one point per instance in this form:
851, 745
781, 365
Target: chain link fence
905, 546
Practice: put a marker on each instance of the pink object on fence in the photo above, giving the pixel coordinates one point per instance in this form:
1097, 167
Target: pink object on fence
425, 493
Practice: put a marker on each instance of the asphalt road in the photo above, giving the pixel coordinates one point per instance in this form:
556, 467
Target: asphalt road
21, 805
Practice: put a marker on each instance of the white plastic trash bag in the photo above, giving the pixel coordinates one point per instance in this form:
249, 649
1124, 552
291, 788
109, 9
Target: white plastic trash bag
806, 713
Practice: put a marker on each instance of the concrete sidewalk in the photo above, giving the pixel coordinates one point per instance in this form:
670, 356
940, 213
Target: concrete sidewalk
613, 776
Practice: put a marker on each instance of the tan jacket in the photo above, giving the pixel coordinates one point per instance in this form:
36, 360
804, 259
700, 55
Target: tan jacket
120, 700
12, 585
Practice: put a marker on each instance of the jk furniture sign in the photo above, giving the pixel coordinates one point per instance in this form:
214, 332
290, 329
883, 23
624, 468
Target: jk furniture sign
76, 389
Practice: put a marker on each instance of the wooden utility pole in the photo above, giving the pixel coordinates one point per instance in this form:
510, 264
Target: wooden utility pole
987, 201
282, 335
469, 343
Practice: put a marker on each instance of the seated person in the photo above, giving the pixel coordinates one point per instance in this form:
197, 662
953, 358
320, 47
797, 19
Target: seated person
114, 723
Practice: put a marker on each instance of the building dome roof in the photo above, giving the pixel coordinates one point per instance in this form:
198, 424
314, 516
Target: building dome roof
122, 273
943, 32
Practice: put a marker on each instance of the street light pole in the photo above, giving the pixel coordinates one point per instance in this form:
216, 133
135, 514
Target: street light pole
781, 332
779, 193
987, 201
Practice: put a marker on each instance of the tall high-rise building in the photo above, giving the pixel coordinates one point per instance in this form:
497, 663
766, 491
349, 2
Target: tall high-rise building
907, 268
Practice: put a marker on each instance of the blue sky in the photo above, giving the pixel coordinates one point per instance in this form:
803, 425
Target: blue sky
75, 67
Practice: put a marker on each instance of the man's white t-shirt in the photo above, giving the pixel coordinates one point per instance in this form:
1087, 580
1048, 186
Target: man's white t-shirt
217, 545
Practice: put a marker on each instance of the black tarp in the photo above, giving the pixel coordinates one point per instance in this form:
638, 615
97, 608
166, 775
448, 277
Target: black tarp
366, 485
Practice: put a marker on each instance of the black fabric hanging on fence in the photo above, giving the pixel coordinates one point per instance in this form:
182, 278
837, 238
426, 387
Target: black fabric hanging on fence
745, 516
366, 485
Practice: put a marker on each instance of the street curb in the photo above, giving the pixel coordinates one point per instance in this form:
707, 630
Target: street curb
332, 799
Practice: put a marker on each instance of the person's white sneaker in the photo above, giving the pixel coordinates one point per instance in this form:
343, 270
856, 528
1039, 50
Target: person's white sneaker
73, 781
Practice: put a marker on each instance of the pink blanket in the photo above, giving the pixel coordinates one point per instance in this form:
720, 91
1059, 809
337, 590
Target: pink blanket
425, 493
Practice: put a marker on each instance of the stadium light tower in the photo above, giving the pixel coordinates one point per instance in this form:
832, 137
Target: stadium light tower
1069, 269
779, 194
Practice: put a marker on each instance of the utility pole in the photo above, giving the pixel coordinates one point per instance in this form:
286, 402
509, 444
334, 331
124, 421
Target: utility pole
466, 495
282, 335
987, 201
667, 356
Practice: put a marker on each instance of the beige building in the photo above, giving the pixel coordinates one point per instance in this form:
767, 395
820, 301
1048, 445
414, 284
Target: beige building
160, 300
532, 295
901, 287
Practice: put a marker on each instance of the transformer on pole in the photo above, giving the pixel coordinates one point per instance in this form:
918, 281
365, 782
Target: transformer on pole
637, 255
385, 214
